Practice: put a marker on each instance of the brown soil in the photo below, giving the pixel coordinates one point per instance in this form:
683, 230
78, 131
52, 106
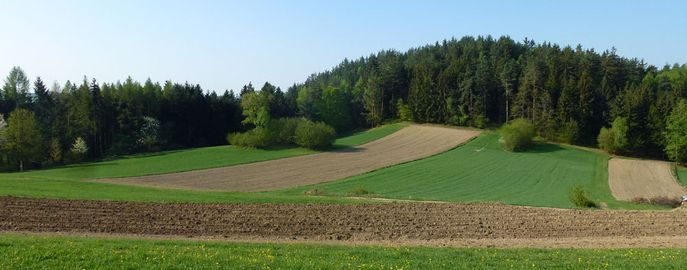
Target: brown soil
411, 143
436, 224
630, 179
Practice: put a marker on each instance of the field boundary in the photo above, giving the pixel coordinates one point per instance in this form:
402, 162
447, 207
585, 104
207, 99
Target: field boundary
506, 243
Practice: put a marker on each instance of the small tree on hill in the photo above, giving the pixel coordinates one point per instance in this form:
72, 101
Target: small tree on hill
79, 149
148, 134
614, 139
22, 138
55, 150
3, 129
675, 134
256, 108
403, 110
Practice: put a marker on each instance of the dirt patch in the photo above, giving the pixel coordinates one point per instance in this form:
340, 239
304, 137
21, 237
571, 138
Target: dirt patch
411, 143
630, 179
435, 224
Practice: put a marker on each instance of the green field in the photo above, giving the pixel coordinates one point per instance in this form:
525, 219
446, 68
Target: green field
66, 182
193, 159
682, 175
32, 252
482, 171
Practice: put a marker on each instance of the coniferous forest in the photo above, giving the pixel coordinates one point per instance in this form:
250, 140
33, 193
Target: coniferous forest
569, 94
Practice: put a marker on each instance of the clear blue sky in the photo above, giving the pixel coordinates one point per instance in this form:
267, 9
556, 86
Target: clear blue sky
225, 44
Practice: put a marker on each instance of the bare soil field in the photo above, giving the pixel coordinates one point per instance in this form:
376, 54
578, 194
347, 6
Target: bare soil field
436, 224
629, 179
411, 143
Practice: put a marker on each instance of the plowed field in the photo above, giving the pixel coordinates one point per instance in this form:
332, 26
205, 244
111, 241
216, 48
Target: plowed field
393, 223
629, 179
411, 143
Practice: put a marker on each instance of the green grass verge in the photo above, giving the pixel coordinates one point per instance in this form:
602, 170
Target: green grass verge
481, 171
682, 176
66, 182
41, 252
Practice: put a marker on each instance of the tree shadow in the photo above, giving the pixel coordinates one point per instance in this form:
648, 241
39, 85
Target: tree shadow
541, 147
346, 149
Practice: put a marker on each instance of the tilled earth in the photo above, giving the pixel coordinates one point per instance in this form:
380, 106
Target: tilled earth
408, 144
392, 223
632, 178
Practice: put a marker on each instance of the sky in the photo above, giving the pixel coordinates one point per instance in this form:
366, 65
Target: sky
225, 44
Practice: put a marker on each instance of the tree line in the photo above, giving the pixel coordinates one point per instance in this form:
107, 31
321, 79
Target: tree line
88, 120
569, 94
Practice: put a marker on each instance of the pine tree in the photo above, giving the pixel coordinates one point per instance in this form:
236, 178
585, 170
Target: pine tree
44, 107
15, 91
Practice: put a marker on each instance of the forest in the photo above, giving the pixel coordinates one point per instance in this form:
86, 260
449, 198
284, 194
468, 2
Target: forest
569, 94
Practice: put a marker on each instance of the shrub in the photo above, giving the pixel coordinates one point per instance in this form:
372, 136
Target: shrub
282, 131
517, 135
403, 111
480, 121
314, 135
614, 139
254, 138
568, 132
359, 191
579, 198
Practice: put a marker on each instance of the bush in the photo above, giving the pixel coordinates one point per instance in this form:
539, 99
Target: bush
286, 131
614, 139
282, 131
403, 111
517, 135
568, 132
79, 149
254, 138
480, 121
276, 132
314, 135
579, 198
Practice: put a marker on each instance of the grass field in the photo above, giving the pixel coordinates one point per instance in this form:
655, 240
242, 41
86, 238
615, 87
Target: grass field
193, 159
481, 171
66, 182
682, 175
31, 252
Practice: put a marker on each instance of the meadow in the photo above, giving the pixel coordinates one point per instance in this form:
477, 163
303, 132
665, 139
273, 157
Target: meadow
682, 175
58, 252
69, 182
193, 159
480, 171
